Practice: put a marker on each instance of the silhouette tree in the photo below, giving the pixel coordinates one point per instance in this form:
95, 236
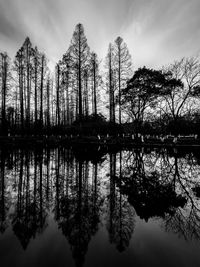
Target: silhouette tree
58, 94
19, 67
142, 93
29, 217
111, 82
36, 60
95, 81
178, 95
4, 78
123, 65
80, 54
30, 66
3, 198
121, 216
149, 195
43, 72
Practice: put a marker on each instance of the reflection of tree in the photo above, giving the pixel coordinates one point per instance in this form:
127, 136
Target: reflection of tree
185, 222
150, 197
3, 206
36, 182
121, 216
149, 193
30, 215
164, 184
79, 209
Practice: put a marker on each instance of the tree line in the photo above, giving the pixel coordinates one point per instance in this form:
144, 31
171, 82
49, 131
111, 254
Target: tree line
36, 101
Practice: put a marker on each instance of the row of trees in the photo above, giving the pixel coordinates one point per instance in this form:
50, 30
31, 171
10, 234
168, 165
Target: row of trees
25, 85
164, 96
34, 100
31, 100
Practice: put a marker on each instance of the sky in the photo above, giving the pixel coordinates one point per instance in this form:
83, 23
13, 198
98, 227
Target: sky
157, 32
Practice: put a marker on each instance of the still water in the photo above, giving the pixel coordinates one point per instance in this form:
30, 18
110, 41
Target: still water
64, 207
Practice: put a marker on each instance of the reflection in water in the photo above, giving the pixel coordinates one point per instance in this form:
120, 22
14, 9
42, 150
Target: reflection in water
85, 192
121, 216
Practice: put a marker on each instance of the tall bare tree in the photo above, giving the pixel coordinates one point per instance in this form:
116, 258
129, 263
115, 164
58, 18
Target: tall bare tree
80, 54
4, 74
19, 67
95, 80
111, 81
123, 66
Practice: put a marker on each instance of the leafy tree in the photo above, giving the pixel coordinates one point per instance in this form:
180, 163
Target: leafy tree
141, 93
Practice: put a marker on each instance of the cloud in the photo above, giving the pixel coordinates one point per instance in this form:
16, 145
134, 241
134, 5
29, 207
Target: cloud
163, 30
156, 31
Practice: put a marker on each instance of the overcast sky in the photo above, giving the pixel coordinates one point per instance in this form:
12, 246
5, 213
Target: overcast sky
156, 31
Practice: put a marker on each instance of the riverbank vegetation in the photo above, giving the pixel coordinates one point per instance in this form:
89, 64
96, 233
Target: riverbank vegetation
90, 97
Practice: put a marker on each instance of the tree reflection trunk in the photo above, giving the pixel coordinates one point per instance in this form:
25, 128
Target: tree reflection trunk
2, 192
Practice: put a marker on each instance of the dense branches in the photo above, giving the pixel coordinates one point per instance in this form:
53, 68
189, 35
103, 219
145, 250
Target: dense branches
80, 55
4, 76
35, 101
123, 65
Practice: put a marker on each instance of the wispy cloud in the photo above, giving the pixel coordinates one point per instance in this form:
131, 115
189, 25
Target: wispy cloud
164, 30
157, 31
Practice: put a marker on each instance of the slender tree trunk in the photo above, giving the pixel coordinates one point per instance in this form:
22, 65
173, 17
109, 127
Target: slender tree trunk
28, 87
119, 81
48, 106
58, 96
41, 92
36, 77
4, 73
79, 80
95, 93
21, 89
67, 98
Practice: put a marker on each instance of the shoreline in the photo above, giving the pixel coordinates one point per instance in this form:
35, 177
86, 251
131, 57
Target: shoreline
95, 141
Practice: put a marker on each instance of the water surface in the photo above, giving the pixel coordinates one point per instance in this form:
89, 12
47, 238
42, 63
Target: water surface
65, 207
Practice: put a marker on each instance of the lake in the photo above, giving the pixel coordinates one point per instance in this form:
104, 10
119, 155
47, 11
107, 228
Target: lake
99, 207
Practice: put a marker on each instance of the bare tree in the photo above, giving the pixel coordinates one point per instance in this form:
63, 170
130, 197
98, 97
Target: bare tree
4, 76
123, 65
95, 80
19, 67
188, 71
111, 81
80, 55
58, 94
